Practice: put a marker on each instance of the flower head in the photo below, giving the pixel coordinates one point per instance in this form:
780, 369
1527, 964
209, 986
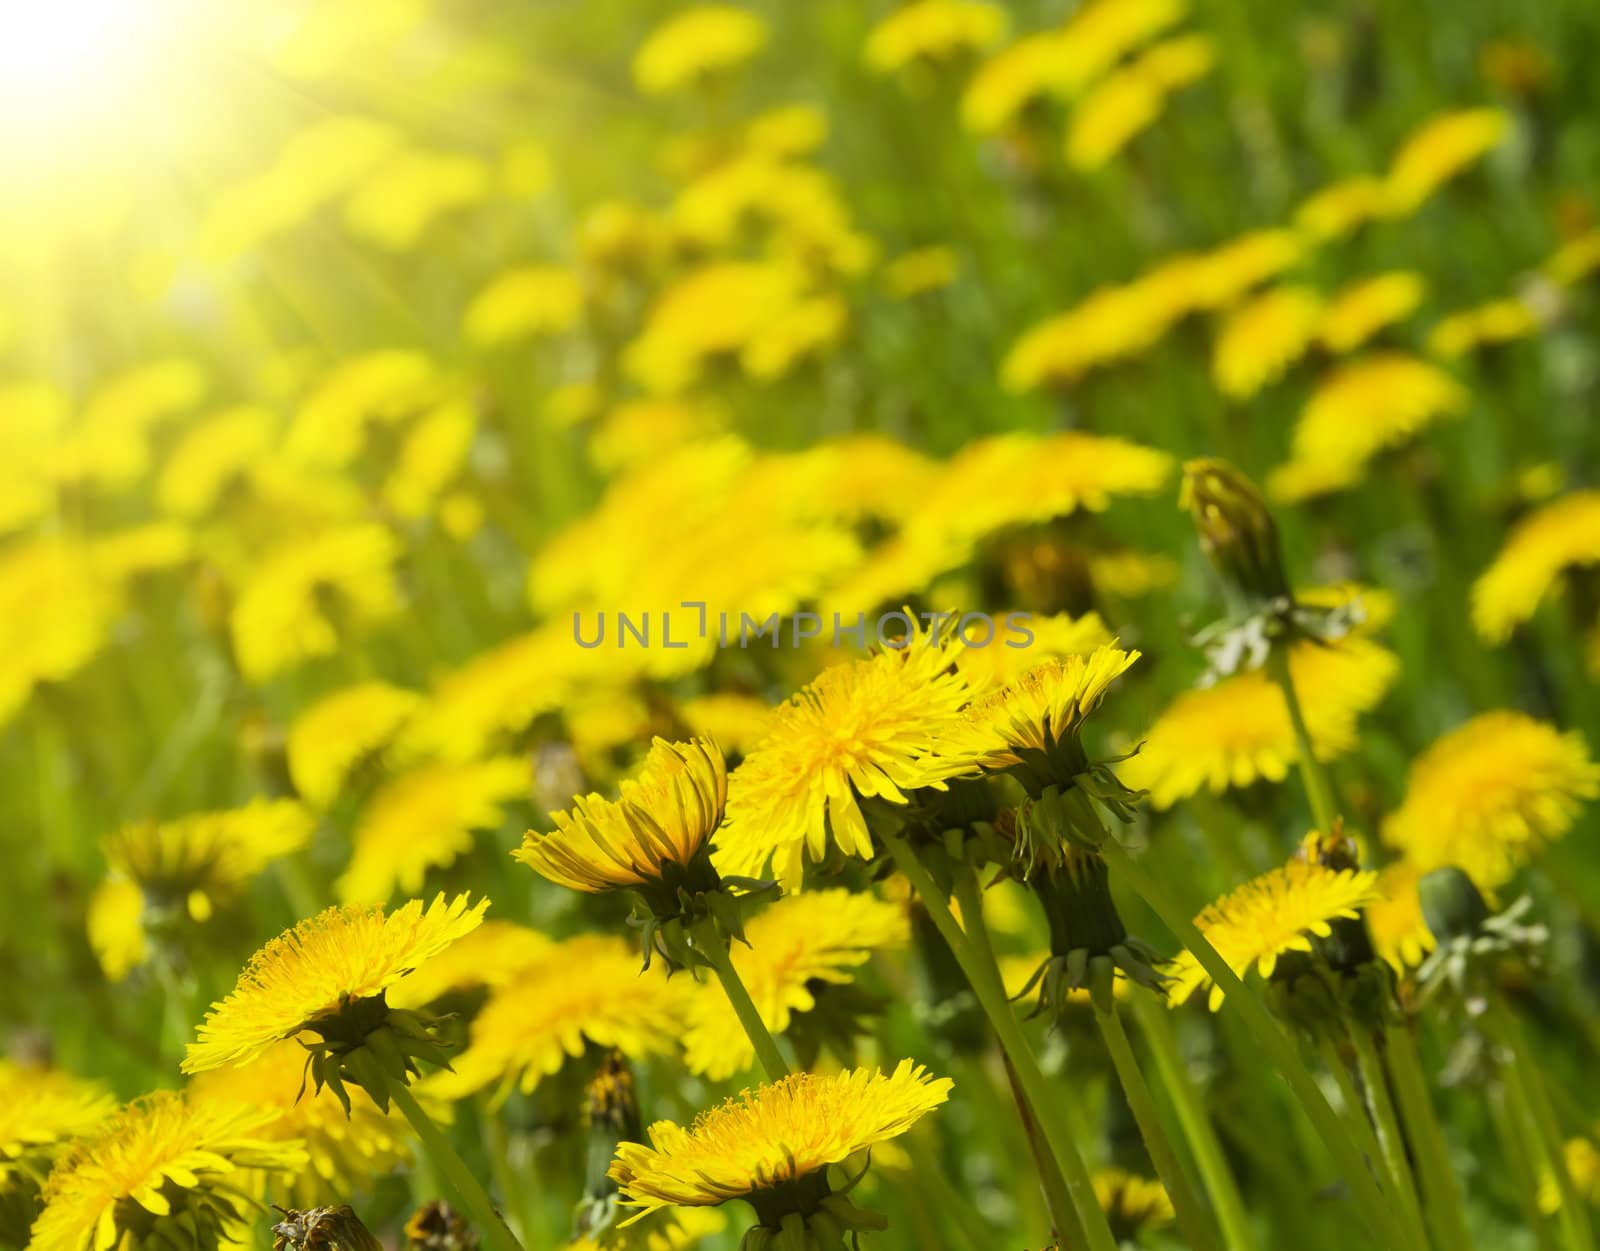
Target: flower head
322, 1229
1237, 532
164, 1168
863, 729
699, 42
933, 31
41, 1112
1490, 794
306, 978
328, 742
1560, 536
1399, 931
1439, 150
1279, 912
755, 1147
1263, 337
1132, 1204
522, 303
1363, 308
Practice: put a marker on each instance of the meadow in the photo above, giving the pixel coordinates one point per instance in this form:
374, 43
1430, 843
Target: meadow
651, 626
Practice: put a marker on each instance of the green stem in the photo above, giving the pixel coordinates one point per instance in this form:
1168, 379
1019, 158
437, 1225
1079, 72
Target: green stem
1192, 1219
1372, 1206
464, 1188
1441, 1196
1319, 787
991, 995
1354, 1108
714, 947
1391, 1142
1525, 1083
1057, 1199
1515, 1151
518, 1198
1198, 1132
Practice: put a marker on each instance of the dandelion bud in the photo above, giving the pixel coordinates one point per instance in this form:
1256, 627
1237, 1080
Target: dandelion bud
1237, 533
322, 1229
437, 1226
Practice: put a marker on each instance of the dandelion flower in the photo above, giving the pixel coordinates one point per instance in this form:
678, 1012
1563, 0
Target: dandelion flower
55, 615
1270, 916
793, 948
424, 819
1365, 307
1583, 1167
165, 1169
649, 836
303, 980
1574, 260
916, 273
758, 1146
1008, 81
1439, 150
695, 44
1002, 659
110, 444
1498, 321
490, 956
934, 31
859, 730
1132, 1204
1339, 208
1119, 108
42, 1111
330, 740
395, 205
1399, 931
583, 991
1489, 795
378, 388
728, 717
1262, 338
523, 303
1562, 535
1237, 731
211, 455
1102, 32
1219, 277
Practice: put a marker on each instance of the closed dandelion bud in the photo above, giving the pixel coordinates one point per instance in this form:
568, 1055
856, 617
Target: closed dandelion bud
1237, 532
437, 1226
322, 1229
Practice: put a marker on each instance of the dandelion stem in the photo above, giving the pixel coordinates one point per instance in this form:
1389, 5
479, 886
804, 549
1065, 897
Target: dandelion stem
518, 1198
1319, 787
1369, 1139
1192, 1219
1441, 1197
1515, 1151
1391, 1142
991, 995
1372, 1206
711, 944
464, 1188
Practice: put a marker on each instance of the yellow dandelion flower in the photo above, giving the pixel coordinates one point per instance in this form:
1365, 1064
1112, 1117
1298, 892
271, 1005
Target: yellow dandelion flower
648, 836
329, 741
584, 991
1341, 207
379, 388
859, 730
1102, 32
1370, 404
1217, 278
933, 31
343, 1151
637, 433
1238, 731
433, 453
1263, 337
491, 956
1439, 150
680, 1231
41, 1111
790, 130
1132, 574
1583, 1167
169, 1164
1268, 917
1489, 795
1399, 931
1132, 1204
800, 331
281, 617
696, 44
394, 206
523, 303
919, 272
728, 717
325, 963
425, 819
1011, 480
110, 444
794, 946
211, 456
1498, 321
1009, 81
55, 615
1108, 325
1368, 305
1575, 259
1562, 535
1131, 100
1005, 658
777, 1134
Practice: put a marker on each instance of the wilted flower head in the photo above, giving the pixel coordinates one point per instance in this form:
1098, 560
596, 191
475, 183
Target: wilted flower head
322, 1229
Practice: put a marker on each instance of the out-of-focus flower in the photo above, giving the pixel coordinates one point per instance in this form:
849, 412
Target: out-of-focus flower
1134, 1205
491, 955
933, 31
211, 456
1102, 32
523, 303
739, 721
396, 204
1005, 657
1583, 1167
916, 273
1399, 931
165, 1167
1498, 321
637, 432
424, 819
793, 948
309, 978
787, 132
1373, 403
1574, 260
758, 1146
329, 1228
1439, 150
1339, 208
1270, 916
431, 456
1009, 81
332, 738
282, 617
802, 330
1489, 795
55, 615
1262, 338
1217, 278
109, 446
343, 1151
1130, 100
859, 730
380, 388
1562, 535
1367, 306
582, 991
697, 44
42, 1110
1514, 64
1238, 731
